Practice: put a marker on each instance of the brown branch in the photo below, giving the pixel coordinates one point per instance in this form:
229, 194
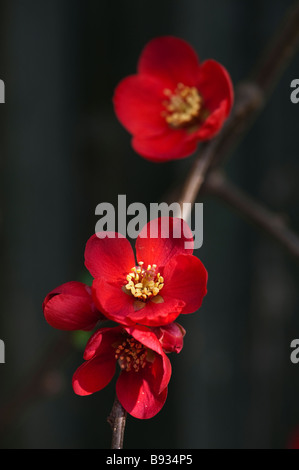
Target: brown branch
250, 99
273, 224
117, 421
277, 56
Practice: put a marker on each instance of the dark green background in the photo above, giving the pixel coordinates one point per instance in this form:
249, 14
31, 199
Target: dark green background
62, 152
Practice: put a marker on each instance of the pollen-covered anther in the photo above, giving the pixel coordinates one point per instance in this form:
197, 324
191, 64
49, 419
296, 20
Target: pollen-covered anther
183, 106
131, 355
144, 283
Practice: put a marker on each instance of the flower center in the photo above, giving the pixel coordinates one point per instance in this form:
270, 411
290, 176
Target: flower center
131, 355
183, 107
144, 283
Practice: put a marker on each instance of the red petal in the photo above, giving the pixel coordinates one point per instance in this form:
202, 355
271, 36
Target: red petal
137, 396
173, 144
146, 337
158, 314
186, 279
119, 306
109, 255
138, 103
115, 303
93, 375
70, 307
213, 123
100, 343
159, 372
215, 85
163, 238
171, 59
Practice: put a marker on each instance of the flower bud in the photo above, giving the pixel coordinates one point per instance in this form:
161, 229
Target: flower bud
171, 337
71, 307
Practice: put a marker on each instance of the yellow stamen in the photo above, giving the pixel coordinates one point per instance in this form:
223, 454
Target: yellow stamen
183, 106
144, 283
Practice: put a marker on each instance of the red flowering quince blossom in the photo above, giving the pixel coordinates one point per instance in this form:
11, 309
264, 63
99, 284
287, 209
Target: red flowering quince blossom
70, 307
141, 387
167, 280
173, 101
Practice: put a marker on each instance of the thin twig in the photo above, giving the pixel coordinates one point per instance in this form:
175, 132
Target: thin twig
117, 421
273, 224
250, 99
281, 50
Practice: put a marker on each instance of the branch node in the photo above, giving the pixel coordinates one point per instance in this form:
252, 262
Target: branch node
117, 421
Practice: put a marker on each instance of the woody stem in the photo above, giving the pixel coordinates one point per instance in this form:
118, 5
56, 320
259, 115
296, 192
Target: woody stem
117, 421
251, 97
273, 224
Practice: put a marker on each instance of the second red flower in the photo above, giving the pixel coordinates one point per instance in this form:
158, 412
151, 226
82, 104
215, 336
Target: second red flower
174, 101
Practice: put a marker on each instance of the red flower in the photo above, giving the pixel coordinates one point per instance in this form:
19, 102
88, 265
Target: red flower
167, 279
141, 387
174, 101
70, 307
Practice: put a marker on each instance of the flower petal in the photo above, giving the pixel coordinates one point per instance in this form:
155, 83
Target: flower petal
121, 307
138, 103
215, 85
137, 396
171, 145
109, 255
93, 375
114, 302
186, 279
145, 336
70, 307
213, 123
158, 314
100, 343
163, 238
170, 59
159, 372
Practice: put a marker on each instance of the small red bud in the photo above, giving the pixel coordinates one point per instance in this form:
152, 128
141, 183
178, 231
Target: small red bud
171, 337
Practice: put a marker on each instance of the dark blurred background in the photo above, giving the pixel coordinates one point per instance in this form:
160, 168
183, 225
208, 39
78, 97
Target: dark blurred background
63, 152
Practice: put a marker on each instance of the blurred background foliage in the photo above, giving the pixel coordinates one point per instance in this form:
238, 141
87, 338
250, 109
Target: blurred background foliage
63, 152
